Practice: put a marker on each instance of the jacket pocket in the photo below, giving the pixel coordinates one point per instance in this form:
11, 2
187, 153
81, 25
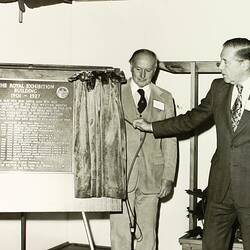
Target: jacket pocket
157, 159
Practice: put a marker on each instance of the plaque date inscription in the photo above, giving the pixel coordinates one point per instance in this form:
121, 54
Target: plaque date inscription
36, 124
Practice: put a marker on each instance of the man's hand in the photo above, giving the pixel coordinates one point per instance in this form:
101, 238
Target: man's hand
166, 188
142, 125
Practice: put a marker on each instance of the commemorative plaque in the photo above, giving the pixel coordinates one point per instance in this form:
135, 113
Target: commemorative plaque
36, 125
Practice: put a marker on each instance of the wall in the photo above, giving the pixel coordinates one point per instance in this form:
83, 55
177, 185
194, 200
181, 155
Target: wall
106, 33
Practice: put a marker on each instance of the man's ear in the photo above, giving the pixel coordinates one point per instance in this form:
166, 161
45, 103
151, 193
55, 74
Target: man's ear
246, 65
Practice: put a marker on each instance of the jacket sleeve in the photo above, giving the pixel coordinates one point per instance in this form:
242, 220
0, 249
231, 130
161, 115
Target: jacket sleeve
169, 148
185, 122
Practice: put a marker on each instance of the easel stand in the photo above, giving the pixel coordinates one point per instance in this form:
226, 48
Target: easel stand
86, 226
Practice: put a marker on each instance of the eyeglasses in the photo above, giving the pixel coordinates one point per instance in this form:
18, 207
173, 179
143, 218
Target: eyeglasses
229, 61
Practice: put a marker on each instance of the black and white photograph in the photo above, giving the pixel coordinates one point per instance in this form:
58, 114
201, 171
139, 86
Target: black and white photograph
124, 125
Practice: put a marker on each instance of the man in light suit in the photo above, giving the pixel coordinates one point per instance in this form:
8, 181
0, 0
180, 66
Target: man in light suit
228, 102
151, 171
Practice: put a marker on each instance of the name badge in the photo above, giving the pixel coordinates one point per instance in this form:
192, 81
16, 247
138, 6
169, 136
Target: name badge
158, 105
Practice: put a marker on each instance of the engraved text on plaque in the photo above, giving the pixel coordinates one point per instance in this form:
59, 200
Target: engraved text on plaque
36, 125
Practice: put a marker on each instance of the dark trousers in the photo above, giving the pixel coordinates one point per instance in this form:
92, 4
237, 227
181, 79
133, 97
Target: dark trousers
219, 221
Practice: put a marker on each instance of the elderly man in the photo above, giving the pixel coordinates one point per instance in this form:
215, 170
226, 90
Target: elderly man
151, 163
228, 103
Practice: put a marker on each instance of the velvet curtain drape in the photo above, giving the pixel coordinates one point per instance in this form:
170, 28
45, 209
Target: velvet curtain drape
99, 136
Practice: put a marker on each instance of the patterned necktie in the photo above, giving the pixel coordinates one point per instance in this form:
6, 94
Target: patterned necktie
142, 104
237, 108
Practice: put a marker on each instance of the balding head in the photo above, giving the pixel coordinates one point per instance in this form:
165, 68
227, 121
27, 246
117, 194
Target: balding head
143, 66
144, 52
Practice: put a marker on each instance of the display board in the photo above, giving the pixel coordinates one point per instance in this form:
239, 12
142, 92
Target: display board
36, 140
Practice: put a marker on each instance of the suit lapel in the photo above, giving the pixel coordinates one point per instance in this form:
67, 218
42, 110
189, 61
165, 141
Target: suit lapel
221, 98
228, 108
149, 114
243, 121
130, 110
148, 110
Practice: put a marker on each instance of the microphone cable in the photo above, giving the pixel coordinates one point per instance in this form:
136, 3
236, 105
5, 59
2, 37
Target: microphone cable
128, 206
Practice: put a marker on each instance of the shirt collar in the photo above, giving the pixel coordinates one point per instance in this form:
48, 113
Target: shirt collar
135, 87
245, 92
246, 85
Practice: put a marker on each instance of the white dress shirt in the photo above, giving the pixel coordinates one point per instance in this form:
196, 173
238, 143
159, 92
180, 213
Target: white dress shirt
136, 95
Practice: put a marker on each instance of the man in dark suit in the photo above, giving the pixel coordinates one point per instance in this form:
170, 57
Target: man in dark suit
228, 102
151, 175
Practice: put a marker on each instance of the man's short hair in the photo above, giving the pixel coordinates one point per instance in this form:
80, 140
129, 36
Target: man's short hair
143, 51
243, 45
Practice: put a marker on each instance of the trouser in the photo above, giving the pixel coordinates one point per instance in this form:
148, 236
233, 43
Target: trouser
219, 221
145, 208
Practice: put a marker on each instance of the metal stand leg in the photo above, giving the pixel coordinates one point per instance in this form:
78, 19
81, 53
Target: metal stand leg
87, 228
23, 231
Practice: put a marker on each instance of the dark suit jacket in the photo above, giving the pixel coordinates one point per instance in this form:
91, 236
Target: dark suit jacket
157, 158
231, 161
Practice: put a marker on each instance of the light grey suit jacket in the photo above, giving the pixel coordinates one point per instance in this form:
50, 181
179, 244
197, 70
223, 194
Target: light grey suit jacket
158, 157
